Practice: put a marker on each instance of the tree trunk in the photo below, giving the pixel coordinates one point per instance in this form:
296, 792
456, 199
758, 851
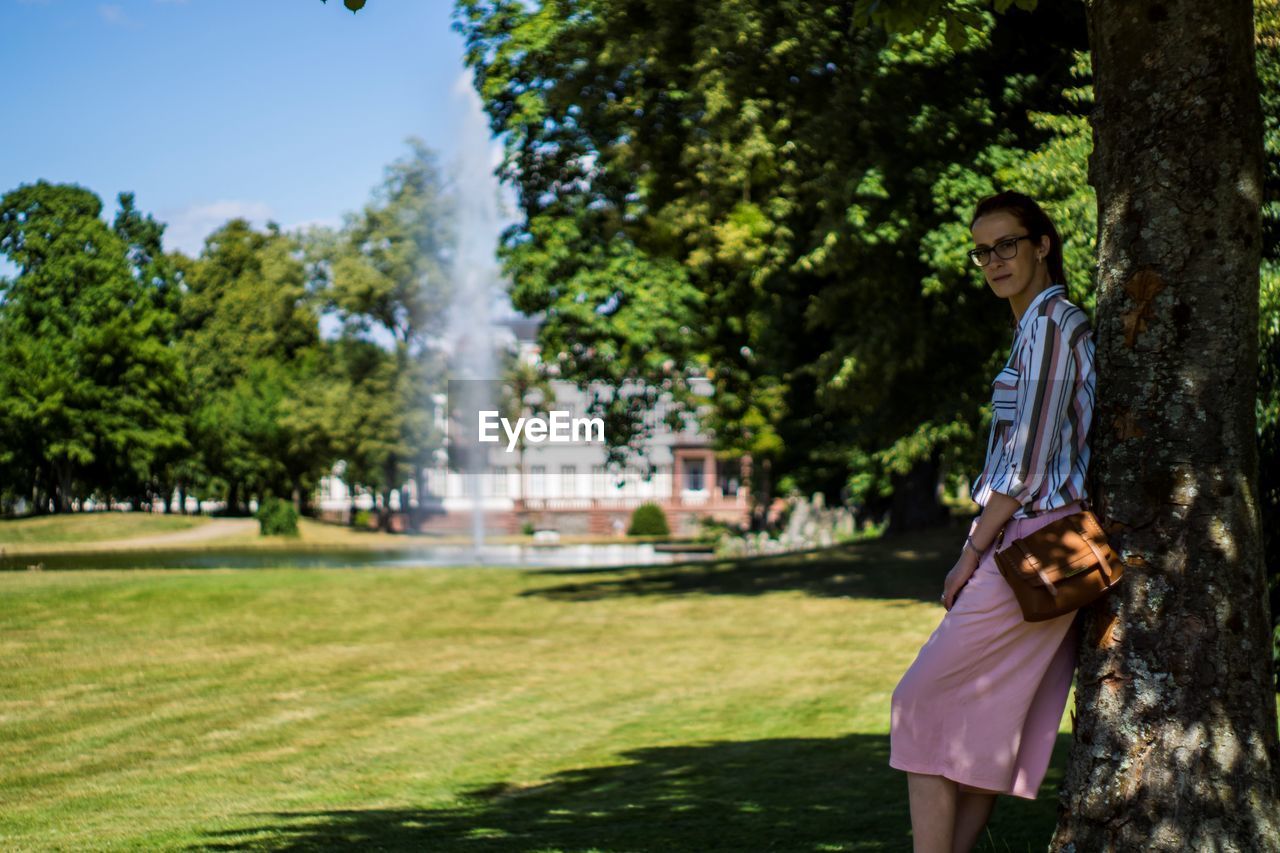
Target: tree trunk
384, 511
915, 504
761, 493
420, 483
1175, 741
303, 498
62, 488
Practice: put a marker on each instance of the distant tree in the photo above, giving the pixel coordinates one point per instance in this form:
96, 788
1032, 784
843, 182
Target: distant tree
364, 391
387, 275
88, 382
158, 276
249, 332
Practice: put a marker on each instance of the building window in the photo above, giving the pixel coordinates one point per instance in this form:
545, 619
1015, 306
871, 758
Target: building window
569, 481
693, 475
599, 482
499, 481
538, 481
729, 476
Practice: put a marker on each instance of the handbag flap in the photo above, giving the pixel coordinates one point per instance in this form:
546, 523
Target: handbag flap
1060, 550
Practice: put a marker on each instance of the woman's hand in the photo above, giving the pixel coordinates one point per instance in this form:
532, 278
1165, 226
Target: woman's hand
958, 577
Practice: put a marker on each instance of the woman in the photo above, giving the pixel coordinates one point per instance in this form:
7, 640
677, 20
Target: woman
977, 713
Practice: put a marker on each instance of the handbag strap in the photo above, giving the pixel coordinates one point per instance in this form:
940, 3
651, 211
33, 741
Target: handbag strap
1027, 555
1102, 560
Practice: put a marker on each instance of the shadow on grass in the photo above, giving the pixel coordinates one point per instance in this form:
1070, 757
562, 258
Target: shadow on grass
782, 794
907, 566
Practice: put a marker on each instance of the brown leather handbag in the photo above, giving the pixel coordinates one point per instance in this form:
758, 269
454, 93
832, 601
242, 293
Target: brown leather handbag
1061, 567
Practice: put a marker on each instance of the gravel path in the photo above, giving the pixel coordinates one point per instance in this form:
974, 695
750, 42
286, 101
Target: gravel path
214, 528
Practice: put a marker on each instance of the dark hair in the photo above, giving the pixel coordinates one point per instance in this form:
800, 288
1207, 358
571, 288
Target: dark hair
1033, 218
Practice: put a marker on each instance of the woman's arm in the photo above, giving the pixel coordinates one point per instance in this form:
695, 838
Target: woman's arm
999, 509
982, 533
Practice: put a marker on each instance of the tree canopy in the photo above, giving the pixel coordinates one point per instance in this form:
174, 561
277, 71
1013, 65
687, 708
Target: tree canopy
774, 194
130, 373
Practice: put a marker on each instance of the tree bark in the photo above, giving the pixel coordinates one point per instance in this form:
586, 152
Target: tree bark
915, 504
62, 487
1175, 740
305, 507
384, 511
389, 477
762, 493
419, 512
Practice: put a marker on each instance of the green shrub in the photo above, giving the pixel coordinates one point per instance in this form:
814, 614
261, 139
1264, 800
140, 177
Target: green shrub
361, 519
277, 517
711, 529
648, 520
527, 528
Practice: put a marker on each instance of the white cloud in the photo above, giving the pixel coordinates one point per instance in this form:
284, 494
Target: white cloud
333, 222
111, 13
188, 227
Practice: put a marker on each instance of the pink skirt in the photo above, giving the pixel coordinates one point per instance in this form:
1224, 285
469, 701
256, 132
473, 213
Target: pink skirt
982, 702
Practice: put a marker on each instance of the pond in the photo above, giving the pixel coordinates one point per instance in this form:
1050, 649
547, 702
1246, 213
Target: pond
435, 556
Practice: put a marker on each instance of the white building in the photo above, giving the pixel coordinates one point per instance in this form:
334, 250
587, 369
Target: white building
567, 487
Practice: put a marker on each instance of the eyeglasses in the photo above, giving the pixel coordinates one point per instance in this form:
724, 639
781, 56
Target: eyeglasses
1005, 249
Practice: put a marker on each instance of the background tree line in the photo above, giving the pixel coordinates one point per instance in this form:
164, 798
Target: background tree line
131, 373
773, 195
783, 212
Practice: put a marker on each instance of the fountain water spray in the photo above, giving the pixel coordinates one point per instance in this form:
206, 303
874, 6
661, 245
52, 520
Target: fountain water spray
477, 291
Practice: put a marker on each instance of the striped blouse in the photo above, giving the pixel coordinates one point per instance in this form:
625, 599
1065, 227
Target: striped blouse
1042, 406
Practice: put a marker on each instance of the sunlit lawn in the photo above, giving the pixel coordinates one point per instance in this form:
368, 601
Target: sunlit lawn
734, 706
87, 531
91, 527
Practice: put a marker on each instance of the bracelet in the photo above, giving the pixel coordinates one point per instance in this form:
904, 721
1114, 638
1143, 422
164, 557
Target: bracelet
968, 545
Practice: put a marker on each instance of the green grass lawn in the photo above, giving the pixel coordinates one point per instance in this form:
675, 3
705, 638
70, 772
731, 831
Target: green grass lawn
91, 527
729, 706
88, 531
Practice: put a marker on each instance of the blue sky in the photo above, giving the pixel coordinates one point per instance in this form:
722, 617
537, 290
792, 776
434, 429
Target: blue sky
207, 109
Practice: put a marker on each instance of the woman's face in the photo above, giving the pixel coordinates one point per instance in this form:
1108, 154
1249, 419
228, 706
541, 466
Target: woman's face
1009, 276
